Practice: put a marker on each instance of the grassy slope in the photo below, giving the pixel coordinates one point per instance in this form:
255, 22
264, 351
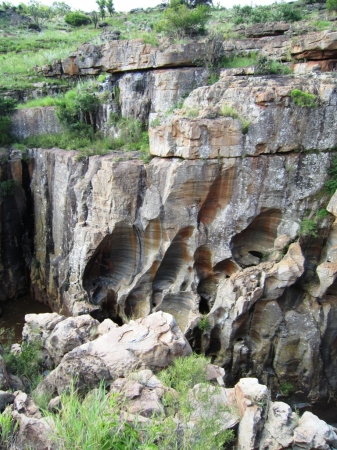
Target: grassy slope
21, 50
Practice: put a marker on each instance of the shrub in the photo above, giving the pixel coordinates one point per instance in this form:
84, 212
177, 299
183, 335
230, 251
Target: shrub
204, 324
304, 99
7, 188
76, 19
25, 363
266, 66
7, 106
308, 228
331, 183
286, 388
228, 111
181, 20
321, 214
5, 131
182, 376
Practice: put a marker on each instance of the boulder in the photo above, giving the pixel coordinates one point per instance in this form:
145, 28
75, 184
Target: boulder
4, 377
152, 342
70, 333
38, 327
252, 399
313, 433
6, 398
33, 433
278, 431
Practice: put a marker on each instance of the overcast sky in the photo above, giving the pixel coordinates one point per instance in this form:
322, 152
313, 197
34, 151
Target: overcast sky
126, 5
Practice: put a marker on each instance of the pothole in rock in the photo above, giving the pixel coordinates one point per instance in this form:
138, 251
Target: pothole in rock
253, 244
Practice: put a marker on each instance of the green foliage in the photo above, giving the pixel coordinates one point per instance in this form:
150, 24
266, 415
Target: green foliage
25, 363
239, 61
331, 5
229, 111
180, 20
110, 7
331, 183
7, 106
245, 125
92, 423
101, 6
155, 122
5, 129
203, 323
286, 388
308, 227
184, 373
76, 19
321, 214
304, 99
182, 376
7, 429
249, 14
266, 66
191, 113
39, 12
7, 188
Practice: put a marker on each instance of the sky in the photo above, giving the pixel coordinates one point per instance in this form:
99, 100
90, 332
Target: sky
126, 5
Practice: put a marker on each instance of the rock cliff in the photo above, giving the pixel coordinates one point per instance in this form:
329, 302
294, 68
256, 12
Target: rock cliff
214, 224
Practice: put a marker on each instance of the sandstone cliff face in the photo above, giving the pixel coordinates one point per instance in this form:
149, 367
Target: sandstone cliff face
129, 239
212, 224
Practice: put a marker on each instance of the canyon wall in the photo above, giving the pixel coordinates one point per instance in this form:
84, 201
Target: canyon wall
214, 224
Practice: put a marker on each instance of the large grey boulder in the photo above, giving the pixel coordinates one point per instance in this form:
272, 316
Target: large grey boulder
153, 343
313, 433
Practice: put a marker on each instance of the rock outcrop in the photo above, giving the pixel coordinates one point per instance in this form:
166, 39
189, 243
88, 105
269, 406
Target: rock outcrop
149, 343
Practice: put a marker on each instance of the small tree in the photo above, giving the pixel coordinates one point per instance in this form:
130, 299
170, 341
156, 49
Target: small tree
179, 20
110, 7
60, 8
94, 18
101, 6
331, 5
39, 13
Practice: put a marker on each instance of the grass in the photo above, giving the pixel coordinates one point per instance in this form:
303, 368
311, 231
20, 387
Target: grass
7, 429
239, 61
94, 421
229, 111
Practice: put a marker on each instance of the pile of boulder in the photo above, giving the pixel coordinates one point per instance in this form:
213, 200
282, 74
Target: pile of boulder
128, 358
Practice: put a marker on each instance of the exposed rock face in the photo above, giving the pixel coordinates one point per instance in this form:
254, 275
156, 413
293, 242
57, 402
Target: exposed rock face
13, 218
35, 121
275, 122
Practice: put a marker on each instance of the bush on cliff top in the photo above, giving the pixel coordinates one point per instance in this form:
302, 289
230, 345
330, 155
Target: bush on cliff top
76, 19
178, 19
7, 106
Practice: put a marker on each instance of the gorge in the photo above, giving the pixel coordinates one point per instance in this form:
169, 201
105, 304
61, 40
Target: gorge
229, 227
